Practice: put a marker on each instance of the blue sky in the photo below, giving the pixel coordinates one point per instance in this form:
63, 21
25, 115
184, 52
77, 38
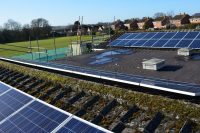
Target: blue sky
64, 12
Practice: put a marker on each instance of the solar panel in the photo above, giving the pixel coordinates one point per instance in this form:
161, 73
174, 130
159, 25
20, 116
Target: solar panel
124, 36
139, 43
184, 43
160, 43
191, 35
169, 35
10, 102
171, 44
132, 42
180, 35
198, 37
75, 126
141, 35
159, 40
3, 88
195, 44
36, 117
132, 36
150, 35
22, 113
159, 35
149, 43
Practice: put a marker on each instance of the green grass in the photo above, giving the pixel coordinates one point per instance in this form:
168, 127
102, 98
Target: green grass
47, 44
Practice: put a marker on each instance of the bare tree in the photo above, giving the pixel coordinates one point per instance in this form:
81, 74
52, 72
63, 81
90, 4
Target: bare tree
170, 13
159, 14
12, 25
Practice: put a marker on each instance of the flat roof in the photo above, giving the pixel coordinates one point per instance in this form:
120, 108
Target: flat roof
176, 69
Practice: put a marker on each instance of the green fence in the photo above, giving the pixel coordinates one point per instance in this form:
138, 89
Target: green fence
46, 55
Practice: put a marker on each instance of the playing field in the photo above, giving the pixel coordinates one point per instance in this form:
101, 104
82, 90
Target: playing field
19, 48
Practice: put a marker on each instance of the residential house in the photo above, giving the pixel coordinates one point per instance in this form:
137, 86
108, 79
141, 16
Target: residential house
180, 20
132, 25
118, 25
195, 19
161, 22
148, 22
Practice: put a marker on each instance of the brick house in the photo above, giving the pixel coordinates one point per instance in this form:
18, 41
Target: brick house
119, 25
132, 25
145, 21
161, 22
180, 20
195, 19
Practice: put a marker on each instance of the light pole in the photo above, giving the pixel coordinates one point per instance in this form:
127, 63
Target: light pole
54, 42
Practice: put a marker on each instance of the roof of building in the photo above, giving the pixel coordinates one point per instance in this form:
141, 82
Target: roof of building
196, 15
179, 17
160, 18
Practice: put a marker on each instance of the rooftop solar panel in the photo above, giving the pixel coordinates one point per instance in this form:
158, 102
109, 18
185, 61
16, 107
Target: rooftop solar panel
149, 43
22, 113
183, 44
195, 44
169, 35
132, 36
150, 35
130, 43
124, 36
139, 43
3, 88
171, 43
180, 35
160, 43
10, 102
198, 37
34, 118
159, 35
191, 35
75, 126
141, 35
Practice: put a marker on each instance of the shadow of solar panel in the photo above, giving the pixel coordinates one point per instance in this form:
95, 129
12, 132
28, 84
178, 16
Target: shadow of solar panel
195, 44
184, 44
3, 88
76, 126
36, 117
171, 44
10, 102
160, 43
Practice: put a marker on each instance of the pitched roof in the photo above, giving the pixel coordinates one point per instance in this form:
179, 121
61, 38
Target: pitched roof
179, 17
160, 18
196, 15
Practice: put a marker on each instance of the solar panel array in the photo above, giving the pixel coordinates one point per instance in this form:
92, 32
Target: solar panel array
22, 113
159, 40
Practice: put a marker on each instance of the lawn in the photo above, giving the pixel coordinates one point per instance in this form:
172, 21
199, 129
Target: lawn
47, 44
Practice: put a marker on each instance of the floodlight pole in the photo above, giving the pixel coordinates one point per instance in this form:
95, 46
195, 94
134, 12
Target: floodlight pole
54, 42
38, 48
30, 46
